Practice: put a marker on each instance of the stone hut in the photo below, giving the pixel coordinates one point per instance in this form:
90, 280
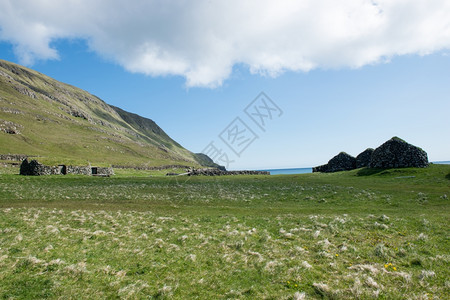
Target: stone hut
35, 168
396, 153
363, 159
340, 162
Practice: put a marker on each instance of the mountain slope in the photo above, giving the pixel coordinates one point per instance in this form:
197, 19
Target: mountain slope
40, 116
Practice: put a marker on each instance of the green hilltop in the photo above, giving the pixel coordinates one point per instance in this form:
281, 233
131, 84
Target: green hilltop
59, 123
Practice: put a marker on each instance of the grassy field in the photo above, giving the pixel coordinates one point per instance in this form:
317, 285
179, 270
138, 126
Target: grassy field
357, 234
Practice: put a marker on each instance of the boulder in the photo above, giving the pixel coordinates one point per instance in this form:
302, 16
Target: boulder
363, 159
341, 162
396, 153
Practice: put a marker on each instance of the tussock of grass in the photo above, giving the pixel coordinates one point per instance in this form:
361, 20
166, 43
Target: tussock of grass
134, 254
232, 237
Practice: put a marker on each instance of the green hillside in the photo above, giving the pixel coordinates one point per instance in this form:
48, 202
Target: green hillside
58, 123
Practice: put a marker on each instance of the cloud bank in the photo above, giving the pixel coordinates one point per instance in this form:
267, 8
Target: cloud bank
202, 40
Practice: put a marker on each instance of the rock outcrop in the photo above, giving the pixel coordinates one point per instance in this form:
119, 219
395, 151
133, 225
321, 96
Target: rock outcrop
363, 159
396, 153
10, 127
341, 162
206, 161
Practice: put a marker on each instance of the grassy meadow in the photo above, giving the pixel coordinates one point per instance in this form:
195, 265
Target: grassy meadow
140, 235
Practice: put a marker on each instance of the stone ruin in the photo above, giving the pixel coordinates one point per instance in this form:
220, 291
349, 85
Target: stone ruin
341, 162
34, 168
363, 159
394, 153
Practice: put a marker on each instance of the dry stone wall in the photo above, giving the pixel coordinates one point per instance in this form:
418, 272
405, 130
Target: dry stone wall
396, 153
34, 168
217, 172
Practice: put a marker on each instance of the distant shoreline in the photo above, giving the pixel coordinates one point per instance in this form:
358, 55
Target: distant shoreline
309, 170
442, 162
288, 171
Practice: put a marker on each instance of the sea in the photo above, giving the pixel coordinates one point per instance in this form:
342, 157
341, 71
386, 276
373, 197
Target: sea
443, 162
309, 170
289, 171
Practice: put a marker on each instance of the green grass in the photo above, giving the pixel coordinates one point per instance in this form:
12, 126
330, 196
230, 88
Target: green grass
105, 136
146, 173
358, 234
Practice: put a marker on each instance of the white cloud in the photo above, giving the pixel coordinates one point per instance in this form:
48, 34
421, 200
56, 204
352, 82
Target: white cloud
202, 40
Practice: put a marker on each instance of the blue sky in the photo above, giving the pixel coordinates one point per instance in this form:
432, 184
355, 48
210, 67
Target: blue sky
342, 99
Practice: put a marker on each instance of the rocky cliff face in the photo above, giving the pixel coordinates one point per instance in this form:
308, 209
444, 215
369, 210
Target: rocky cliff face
396, 153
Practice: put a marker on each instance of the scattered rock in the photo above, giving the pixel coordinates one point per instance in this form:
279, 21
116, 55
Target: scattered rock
10, 127
363, 159
13, 158
396, 153
78, 113
11, 111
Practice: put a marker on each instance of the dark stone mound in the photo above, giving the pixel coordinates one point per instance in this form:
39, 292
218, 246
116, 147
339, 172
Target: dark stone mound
363, 159
396, 153
321, 168
341, 162
32, 168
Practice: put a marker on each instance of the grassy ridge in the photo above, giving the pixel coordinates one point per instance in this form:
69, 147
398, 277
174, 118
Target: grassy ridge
356, 234
63, 124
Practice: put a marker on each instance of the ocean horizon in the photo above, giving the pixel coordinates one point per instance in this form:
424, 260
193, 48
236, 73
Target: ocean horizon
287, 171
